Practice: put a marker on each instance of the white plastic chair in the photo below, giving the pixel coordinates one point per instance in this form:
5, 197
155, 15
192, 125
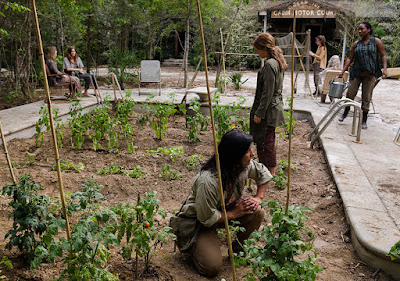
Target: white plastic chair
150, 73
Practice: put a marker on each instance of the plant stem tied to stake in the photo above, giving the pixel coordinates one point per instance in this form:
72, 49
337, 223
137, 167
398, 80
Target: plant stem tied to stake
216, 145
53, 131
291, 120
7, 156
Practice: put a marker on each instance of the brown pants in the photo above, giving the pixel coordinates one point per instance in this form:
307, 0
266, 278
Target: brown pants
75, 80
317, 70
267, 152
206, 252
367, 80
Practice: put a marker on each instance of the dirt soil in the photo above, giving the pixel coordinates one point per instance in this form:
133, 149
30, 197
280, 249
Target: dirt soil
312, 186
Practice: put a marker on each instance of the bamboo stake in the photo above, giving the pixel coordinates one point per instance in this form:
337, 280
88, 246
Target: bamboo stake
3, 139
113, 81
291, 120
221, 191
119, 87
53, 131
227, 41
302, 66
195, 73
301, 58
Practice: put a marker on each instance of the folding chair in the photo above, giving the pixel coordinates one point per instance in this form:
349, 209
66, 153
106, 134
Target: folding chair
150, 73
329, 77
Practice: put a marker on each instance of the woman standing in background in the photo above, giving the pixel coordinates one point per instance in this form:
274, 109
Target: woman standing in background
319, 62
267, 111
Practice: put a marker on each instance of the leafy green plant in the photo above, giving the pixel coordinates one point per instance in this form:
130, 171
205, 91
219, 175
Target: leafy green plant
236, 80
193, 161
77, 125
138, 227
160, 114
280, 177
135, 173
395, 251
111, 170
30, 216
225, 116
91, 236
193, 122
174, 152
7, 263
282, 242
69, 166
286, 126
44, 123
168, 173
234, 229
144, 119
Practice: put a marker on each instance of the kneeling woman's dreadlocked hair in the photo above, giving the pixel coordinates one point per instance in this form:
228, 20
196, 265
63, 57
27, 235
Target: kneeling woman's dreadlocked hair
266, 42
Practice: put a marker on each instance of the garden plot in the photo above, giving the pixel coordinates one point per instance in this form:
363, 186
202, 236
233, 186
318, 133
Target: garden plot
131, 154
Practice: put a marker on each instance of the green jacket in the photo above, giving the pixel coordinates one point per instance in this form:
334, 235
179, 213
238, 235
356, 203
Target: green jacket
268, 104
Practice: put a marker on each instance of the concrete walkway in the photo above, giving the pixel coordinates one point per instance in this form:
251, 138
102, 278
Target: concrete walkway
367, 174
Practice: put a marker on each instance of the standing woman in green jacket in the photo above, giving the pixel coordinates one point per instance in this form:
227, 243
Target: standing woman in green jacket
267, 110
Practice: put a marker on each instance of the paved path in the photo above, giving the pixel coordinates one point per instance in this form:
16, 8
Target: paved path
367, 174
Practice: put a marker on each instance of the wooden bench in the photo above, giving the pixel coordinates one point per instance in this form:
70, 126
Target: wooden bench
51, 79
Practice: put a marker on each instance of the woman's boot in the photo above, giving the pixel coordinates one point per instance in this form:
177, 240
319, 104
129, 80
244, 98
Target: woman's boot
364, 120
344, 115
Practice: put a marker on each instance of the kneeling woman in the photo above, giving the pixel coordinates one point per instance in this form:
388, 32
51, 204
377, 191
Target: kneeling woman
198, 219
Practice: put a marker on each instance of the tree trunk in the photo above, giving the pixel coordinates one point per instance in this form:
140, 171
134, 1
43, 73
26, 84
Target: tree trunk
186, 54
88, 33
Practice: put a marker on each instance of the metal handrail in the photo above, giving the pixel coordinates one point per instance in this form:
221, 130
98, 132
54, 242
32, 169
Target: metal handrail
332, 108
335, 113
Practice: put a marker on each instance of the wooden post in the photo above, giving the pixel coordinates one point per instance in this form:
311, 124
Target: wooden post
53, 131
221, 191
291, 121
3, 139
223, 59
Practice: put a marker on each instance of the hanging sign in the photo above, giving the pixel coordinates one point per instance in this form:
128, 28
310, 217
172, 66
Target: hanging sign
304, 9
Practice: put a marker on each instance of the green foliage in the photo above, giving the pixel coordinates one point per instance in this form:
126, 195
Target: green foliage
111, 170
226, 116
30, 162
119, 61
234, 229
236, 80
137, 227
196, 122
87, 253
193, 161
69, 166
286, 127
174, 152
44, 123
281, 177
30, 215
168, 173
283, 241
160, 113
394, 251
135, 173
8, 264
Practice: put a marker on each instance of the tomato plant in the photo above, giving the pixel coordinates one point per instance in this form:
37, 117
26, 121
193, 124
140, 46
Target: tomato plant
30, 215
282, 241
395, 251
138, 228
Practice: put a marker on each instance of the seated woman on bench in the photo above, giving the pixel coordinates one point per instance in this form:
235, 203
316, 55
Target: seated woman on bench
73, 65
50, 55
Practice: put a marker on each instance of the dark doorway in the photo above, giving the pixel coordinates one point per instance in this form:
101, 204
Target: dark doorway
316, 29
